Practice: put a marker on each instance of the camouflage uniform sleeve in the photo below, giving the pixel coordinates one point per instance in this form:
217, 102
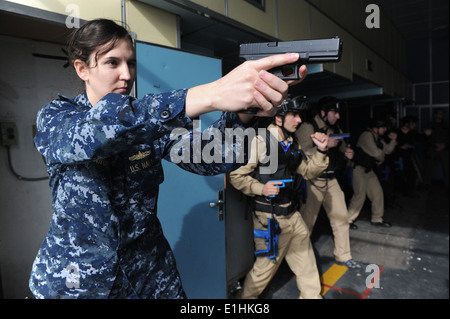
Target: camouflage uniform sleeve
220, 148
66, 135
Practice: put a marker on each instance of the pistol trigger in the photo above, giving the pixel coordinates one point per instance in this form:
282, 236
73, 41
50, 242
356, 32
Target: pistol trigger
296, 75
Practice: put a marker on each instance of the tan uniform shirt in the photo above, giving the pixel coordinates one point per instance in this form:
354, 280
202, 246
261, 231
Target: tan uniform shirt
293, 242
304, 137
367, 143
241, 179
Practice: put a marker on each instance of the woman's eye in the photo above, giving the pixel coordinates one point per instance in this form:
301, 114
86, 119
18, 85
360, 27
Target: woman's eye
111, 63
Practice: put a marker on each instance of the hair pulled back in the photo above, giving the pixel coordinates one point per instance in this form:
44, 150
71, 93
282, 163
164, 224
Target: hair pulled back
98, 33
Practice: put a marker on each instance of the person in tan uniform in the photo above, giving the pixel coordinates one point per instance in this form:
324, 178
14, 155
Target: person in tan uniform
275, 201
369, 154
325, 189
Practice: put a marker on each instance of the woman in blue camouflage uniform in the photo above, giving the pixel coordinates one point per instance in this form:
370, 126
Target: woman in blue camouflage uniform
105, 240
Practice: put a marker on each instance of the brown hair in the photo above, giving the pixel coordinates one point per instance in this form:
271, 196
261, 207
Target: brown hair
92, 35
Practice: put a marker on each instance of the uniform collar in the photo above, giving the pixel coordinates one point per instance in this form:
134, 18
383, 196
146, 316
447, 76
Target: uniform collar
81, 99
375, 135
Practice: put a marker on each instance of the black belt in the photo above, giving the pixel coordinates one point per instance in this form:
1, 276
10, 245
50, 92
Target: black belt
327, 175
277, 210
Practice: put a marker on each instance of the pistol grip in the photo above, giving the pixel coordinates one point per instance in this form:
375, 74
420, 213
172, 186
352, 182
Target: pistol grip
279, 186
285, 72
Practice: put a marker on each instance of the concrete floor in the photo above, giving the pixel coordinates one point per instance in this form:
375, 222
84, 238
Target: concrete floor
411, 259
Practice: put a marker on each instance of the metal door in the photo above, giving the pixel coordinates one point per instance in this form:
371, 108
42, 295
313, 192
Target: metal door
190, 224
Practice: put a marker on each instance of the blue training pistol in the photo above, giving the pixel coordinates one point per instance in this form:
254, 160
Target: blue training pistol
270, 237
283, 181
340, 136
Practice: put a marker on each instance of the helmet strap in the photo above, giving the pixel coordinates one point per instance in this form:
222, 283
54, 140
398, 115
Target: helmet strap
286, 133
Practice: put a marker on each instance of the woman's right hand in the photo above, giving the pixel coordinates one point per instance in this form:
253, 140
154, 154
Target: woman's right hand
249, 85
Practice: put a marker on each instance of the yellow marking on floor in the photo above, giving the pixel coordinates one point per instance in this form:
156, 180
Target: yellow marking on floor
331, 276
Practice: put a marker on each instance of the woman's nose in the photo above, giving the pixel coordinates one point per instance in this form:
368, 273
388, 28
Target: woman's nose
125, 73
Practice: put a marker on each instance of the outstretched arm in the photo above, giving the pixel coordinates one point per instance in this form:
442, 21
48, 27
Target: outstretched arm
249, 85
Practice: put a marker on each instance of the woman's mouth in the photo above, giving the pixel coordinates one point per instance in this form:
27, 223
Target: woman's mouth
122, 90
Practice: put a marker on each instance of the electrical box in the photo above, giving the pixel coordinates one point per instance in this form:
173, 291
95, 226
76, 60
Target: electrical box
8, 135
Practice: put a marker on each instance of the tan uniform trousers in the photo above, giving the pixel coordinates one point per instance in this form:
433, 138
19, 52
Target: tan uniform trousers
293, 244
366, 184
329, 193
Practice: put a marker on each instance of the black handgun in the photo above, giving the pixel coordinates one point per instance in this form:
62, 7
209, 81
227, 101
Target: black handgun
310, 51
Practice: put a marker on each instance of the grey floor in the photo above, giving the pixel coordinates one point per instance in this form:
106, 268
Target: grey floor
411, 257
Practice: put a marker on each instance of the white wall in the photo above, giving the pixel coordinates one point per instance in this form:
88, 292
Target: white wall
26, 84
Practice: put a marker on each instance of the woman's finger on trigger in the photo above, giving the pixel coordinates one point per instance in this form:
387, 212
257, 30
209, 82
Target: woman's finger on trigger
276, 60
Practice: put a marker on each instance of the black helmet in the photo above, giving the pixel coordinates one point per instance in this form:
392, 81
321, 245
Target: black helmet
296, 104
329, 103
377, 122
408, 120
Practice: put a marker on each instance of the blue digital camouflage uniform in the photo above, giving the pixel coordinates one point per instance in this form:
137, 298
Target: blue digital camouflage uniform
105, 240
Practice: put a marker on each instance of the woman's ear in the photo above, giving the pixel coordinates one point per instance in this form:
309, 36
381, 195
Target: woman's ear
82, 69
